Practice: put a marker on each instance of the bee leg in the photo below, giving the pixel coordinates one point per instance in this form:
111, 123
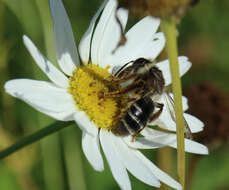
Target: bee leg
158, 113
118, 93
129, 88
112, 94
118, 80
92, 84
131, 99
133, 138
101, 94
112, 78
134, 135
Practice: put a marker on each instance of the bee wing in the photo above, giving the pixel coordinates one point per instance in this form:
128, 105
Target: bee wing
170, 105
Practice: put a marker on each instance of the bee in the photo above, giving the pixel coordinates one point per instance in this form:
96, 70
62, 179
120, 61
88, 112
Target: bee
144, 78
145, 84
137, 116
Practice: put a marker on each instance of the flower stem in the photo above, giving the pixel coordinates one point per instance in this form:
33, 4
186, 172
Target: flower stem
169, 29
34, 137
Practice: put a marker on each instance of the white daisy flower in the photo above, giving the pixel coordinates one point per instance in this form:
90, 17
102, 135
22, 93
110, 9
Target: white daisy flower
72, 94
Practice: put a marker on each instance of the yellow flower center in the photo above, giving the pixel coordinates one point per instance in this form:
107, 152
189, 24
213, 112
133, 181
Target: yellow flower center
86, 86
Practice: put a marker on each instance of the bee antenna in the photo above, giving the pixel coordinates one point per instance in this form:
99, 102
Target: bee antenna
116, 74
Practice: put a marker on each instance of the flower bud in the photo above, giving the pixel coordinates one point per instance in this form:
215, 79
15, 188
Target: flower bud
211, 105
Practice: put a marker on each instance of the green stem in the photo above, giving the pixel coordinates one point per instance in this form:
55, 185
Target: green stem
34, 137
169, 29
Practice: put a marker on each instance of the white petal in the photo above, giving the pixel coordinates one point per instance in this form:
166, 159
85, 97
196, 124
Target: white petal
141, 32
141, 143
184, 66
192, 147
184, 101
100, 30
135, 165
112, 35
85, 123
43, 96
171, 140
165, 121
147, 48
164, 96
91, 150
66, 51
46, 66
194, 123
146, 27
142, 41
113, 157
158, 136
84, 46
162, 176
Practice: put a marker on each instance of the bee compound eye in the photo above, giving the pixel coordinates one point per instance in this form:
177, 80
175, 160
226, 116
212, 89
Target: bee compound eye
140, 61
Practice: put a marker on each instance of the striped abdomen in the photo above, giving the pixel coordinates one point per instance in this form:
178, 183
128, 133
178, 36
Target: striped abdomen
136, 117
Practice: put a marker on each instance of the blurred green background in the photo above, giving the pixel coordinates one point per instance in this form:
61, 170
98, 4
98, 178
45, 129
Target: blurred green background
57, 162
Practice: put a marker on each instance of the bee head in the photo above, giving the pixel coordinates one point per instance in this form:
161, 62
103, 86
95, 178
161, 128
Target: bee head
141, 61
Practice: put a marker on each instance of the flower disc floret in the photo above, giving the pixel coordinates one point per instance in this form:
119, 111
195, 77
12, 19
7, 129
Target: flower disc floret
86, 86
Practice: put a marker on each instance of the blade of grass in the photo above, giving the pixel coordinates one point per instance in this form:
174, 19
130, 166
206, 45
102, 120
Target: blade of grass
50, 148
169, 29
44, 132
